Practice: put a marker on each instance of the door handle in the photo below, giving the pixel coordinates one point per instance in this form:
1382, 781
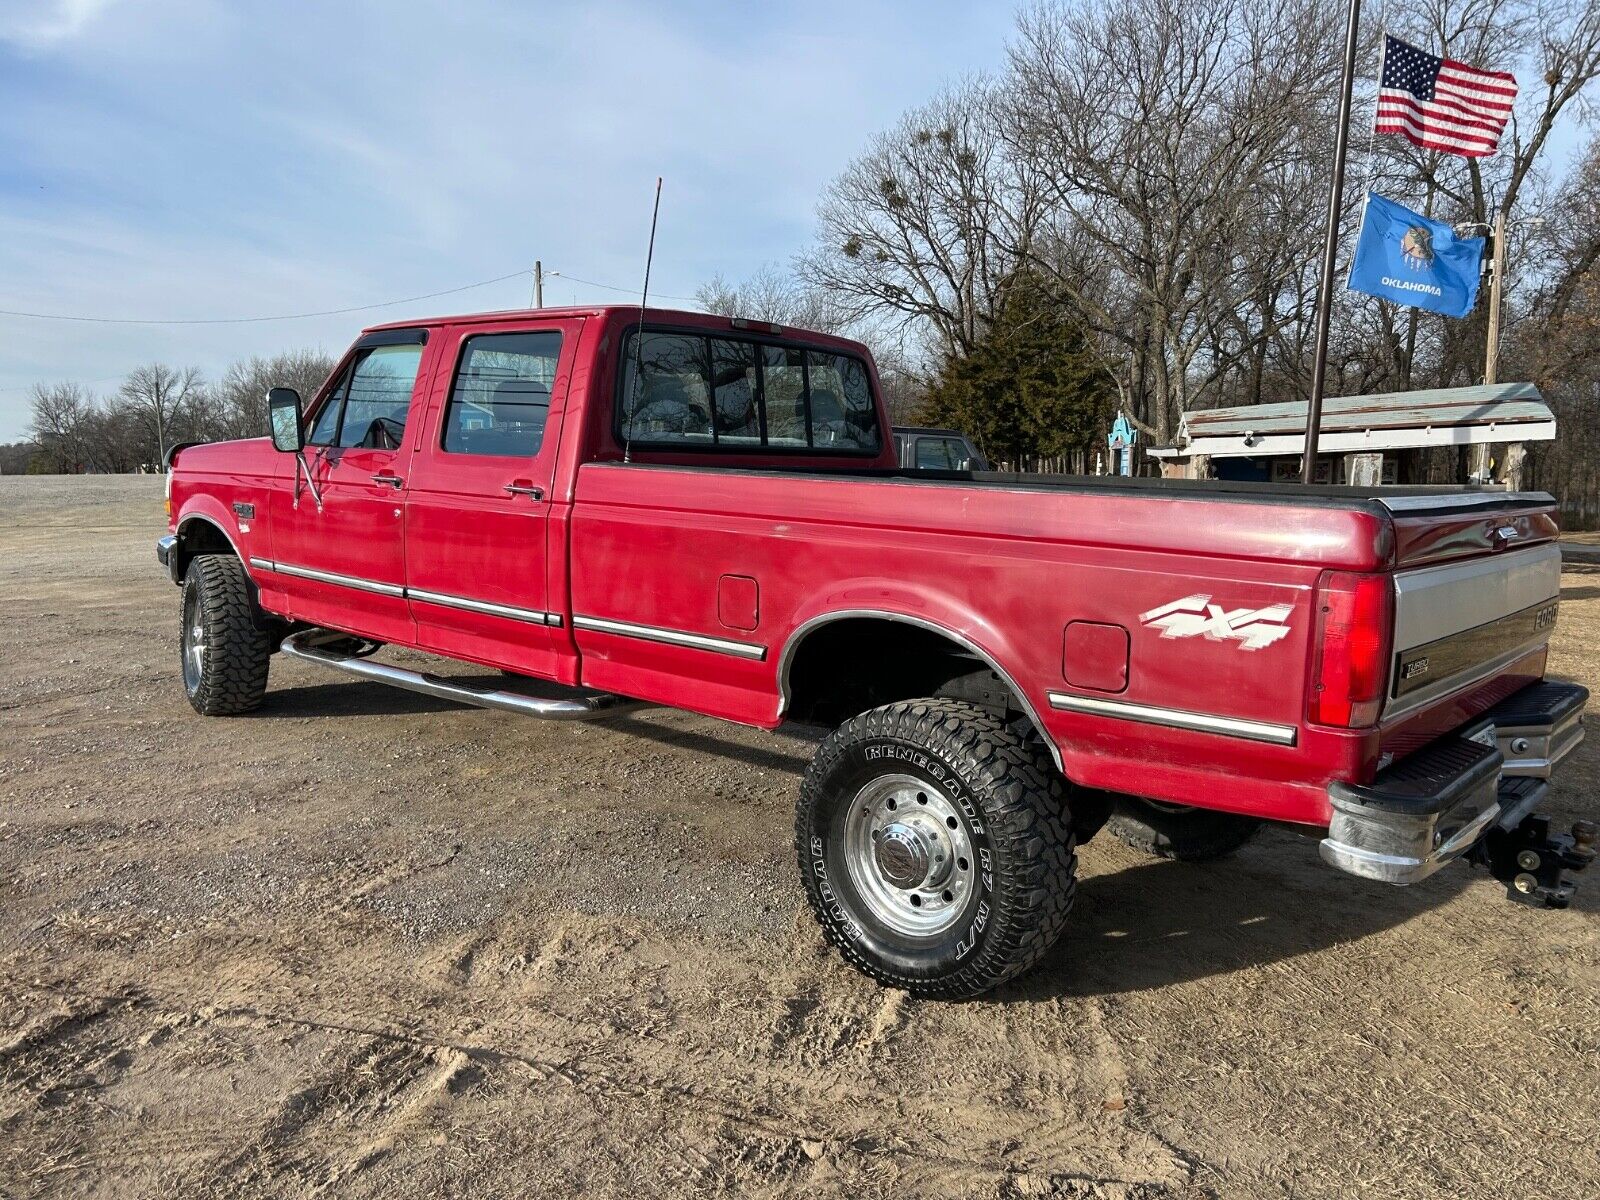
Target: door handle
518, 487
393, 481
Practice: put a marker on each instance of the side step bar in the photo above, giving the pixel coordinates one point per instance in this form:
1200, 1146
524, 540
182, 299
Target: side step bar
315, 646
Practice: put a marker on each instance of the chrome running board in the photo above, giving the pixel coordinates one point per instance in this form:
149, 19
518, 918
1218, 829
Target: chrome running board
591, 707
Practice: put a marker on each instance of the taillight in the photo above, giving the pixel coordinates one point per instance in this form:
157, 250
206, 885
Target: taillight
1355, 617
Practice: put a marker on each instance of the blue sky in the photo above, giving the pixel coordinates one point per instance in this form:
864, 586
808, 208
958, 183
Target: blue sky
185, 158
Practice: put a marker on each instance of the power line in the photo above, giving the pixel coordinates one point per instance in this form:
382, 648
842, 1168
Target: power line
611, 287
331, 312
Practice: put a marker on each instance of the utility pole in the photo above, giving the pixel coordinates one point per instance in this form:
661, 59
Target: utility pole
538, 284
1497, 270
1330, 250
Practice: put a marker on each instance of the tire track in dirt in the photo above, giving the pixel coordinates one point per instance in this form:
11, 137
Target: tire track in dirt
389, 1077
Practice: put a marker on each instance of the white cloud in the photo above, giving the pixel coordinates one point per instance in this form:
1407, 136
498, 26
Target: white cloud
41, 23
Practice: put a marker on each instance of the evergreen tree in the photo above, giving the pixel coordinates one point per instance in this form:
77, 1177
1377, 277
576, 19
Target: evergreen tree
1030, 386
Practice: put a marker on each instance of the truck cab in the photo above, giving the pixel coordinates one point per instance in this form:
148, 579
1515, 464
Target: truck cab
937, 450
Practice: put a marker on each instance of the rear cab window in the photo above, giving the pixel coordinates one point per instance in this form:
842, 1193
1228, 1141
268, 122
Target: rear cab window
695, 391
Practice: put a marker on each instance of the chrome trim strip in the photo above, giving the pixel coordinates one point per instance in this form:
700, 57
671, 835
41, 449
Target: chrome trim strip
531, 615
790, 648
349, 581
1177, 718
671, 637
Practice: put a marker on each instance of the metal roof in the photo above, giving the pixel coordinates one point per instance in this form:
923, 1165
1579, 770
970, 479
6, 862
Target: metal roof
1381, 421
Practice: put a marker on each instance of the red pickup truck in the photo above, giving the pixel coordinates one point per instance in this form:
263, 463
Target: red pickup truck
614, 506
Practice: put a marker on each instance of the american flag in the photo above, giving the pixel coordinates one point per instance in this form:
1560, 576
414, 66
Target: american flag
1440, 103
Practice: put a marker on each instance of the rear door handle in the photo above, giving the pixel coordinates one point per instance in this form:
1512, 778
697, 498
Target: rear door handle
521, 487
392, 480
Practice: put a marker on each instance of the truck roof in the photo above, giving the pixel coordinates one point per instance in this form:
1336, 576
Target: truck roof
670, 316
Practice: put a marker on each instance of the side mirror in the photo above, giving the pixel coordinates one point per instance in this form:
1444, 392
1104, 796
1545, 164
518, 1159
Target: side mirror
288, 430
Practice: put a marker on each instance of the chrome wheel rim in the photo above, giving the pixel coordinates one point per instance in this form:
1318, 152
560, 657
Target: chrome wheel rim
194, 642
909, 854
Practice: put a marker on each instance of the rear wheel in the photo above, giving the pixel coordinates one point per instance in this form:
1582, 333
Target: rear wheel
936, 847
1178, 831
224, 653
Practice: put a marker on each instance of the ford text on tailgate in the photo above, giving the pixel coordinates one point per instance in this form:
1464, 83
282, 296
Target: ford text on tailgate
612, 508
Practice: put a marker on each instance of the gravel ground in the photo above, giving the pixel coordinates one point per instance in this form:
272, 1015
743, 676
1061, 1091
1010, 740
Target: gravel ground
371, 944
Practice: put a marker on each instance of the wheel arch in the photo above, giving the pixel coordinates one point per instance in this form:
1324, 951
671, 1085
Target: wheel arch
808, 629
200, 531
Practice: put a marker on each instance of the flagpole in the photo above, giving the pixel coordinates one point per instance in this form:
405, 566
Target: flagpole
1330, 250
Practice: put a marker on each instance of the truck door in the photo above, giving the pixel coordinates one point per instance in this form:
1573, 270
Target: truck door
342, 563
478, 505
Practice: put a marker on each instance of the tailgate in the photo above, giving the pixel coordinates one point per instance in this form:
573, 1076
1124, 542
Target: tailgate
1477, 579
1460, 623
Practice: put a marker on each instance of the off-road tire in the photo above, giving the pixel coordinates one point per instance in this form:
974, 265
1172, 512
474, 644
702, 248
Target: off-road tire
1020, 826
1184, 834
231, 675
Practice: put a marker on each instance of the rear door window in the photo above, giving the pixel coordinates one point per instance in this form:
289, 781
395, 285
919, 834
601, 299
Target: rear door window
500, 398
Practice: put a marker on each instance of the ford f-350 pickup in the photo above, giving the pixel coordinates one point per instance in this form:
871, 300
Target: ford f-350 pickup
678, 509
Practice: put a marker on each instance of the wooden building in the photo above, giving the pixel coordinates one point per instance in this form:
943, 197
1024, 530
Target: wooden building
1366, 440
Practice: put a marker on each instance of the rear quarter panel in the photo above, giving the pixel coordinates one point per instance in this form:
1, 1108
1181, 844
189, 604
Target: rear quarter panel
1005, 569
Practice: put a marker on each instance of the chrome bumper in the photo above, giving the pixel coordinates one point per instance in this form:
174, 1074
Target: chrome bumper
165, 546
1437, 804
1538, 727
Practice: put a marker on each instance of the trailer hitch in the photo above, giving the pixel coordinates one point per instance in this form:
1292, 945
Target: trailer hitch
1530, 860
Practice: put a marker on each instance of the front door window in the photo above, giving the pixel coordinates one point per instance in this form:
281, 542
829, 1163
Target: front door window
368, 406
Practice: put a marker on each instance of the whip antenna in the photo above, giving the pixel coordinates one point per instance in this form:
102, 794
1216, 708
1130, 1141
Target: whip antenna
638, 337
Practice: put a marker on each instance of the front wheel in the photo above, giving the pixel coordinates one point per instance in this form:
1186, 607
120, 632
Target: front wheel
225, 654
936, 847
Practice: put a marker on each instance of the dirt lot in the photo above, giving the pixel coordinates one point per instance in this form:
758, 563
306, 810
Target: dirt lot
370, 944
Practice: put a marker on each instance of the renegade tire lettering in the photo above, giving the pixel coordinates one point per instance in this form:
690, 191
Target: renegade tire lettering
1196, 616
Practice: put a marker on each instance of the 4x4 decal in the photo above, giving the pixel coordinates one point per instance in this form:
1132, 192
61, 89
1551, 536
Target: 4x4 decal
1196, 616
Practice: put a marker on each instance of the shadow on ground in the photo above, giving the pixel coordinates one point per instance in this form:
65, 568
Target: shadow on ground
1159, 923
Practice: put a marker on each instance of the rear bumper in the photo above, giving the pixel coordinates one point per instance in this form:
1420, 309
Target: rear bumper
1438, 804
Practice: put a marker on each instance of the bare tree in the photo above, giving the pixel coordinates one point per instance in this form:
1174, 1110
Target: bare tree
239, 402
62, 417
158, 395
772, 295
1177, 139
924, 228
